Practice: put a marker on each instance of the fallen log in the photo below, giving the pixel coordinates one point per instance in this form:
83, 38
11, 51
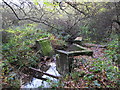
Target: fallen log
37, 73
44, 79
42, 72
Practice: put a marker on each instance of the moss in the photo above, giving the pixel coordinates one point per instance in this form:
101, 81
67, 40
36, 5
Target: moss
46, 47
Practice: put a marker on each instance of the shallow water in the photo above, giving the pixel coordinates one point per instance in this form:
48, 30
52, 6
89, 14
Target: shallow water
37, 82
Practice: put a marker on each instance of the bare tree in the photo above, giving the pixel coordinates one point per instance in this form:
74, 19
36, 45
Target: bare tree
65, 17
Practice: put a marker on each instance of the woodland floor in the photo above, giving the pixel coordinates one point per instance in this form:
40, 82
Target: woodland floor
85, 73
88, 75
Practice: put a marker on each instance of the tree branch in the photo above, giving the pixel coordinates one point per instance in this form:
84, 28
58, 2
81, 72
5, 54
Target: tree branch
29, 18
69, 3
11, 9
42, 72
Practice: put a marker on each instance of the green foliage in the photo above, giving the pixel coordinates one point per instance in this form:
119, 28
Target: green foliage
48, 6
58, 41
75, 76
46, 47
55, 84
17, 52
52, 84
102, 10
85, 32
113, 49
9, 77
18, 48
35, 2
98, 72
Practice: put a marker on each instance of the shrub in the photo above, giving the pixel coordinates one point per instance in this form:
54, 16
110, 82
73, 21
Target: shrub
17, 52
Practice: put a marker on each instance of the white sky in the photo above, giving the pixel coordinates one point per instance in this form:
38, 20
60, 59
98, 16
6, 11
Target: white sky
17, 1
41, 1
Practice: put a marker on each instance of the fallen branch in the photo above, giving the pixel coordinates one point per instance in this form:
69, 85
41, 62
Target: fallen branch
44, 79
42, 72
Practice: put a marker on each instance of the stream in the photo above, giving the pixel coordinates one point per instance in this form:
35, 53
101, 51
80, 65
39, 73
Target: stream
35, 83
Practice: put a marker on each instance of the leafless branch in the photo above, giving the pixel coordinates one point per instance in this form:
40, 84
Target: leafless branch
74, 6
34, 19
11, 9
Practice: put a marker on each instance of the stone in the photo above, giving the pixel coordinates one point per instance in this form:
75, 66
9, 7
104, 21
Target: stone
65, 60
45, 47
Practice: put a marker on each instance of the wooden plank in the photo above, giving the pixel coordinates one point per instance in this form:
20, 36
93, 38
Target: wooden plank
78, 40
83, 52
76, 53
94, 45
62, 52
81, 47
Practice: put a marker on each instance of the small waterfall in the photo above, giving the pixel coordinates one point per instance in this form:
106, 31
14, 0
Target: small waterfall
40, 83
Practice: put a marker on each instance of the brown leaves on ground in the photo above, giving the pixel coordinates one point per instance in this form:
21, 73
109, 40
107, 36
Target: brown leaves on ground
83, 76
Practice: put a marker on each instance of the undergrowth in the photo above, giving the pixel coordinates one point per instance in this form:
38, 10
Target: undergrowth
17, 52
101, 72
